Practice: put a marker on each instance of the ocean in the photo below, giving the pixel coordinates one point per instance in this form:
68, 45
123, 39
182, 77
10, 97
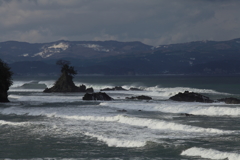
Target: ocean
52, 126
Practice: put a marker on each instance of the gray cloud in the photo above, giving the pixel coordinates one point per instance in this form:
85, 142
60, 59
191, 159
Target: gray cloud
152, 22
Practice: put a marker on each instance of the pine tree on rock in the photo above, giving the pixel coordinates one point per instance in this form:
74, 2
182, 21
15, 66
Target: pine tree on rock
65, 81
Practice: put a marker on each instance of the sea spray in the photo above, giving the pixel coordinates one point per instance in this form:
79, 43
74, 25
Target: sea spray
116, 142
210, 153
150, 123
216, 109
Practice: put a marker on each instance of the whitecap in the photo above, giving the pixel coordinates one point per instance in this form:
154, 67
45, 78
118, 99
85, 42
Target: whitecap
217, 109
210, 153
149, 123
2, 122
116, 142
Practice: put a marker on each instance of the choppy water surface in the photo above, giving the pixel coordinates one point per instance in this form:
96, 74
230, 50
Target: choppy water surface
36, 125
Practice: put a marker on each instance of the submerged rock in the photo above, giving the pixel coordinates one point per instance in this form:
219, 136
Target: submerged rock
230, 100
117, 88
186, 114
97, 96
142, 97
191, 97
122, 110
135, 89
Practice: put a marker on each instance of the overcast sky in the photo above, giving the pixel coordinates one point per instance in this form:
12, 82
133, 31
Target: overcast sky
153, 22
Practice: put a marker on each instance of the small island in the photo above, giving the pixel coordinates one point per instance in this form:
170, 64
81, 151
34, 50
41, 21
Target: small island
65, 81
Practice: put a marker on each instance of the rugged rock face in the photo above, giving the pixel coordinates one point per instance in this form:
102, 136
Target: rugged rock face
65, 84
117, 88
5, 81
191, 97
3, 92
142, 97
89, 90
97, 96
3, 96
230, 100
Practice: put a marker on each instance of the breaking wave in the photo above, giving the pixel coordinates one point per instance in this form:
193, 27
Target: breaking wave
115, 142
210, 153
2, 122
157, 91
46, 98
218, 109
150, 123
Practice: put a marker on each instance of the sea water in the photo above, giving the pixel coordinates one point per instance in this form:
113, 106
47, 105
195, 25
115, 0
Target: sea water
37, 125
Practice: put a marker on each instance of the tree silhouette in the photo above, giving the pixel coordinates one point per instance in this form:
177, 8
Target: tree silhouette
5, 81
66, 68
65, 82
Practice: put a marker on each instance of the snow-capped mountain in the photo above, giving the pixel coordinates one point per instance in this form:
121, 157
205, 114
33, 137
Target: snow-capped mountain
11, 51
112, 57
48, 51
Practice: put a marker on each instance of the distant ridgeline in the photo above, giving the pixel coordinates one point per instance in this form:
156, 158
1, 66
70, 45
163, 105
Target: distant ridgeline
123, 58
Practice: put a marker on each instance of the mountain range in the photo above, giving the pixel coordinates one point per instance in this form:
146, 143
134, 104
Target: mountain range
123, 58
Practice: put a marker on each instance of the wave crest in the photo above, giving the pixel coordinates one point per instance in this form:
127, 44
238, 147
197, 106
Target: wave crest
210, 153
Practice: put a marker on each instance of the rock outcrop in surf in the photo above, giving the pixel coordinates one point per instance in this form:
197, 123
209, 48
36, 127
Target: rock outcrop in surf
191, 97
120, 88
5, 81
65, 81
117, 88
97, 96
230, 100
142, 97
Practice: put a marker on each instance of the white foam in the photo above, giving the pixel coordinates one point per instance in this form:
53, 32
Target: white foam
168, 92
115, 142
134, 121
150, 123
2, 122
156, 92
217, 109
46, 98
24, 90
210, 153
96, 87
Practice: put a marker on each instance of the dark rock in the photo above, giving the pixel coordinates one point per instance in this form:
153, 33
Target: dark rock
65, 84
122, 110
230, 100
135, 89
89, 90
186, 114
142, 97
191, 97
97, 96
4, 96
5, 81
117, 88
33, 84
82, 88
